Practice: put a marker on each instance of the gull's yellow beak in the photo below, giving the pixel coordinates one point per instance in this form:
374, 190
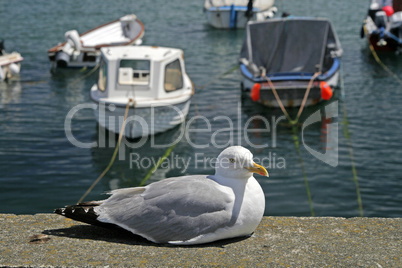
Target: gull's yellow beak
258, 169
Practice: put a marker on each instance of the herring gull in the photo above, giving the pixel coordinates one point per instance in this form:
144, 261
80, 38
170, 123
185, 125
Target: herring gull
186, 210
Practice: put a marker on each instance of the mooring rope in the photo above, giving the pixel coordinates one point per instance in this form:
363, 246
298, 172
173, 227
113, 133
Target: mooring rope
351, 153
160, 161
114, 153
85, 75
297, 145
293, 123
377, 59
310, 84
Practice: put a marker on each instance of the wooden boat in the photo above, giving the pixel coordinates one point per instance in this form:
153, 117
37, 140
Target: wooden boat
153, 79
231, 14
84, 50
383, 25
10, 63
289, 55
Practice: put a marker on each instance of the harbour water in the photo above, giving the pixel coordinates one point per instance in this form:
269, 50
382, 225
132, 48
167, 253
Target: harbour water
41, 169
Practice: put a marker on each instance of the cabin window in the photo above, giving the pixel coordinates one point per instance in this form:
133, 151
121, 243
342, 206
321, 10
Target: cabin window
134, 72
173, 76
102, 76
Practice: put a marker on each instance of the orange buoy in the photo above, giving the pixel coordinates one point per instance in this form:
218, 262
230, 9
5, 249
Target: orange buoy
255, 92
326, 91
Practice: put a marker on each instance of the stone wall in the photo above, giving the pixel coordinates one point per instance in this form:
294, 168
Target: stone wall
278, 242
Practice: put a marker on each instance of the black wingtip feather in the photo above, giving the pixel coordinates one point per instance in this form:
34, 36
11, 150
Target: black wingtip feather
83, 212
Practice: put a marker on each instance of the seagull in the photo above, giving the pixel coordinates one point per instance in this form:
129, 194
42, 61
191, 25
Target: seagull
186, 210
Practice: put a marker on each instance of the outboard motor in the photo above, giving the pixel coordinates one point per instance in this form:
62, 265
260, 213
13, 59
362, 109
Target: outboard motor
73, 43
62, 59
381, 19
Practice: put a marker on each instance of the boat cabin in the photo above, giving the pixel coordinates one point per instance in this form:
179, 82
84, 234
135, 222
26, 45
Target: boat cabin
141, 73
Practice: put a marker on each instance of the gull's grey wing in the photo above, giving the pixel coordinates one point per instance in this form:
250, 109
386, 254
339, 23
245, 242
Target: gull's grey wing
175, 209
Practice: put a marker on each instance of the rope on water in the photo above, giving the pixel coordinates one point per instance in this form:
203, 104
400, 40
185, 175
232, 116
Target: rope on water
351, 154
377, 59
160, 161
297, 145
85, 75
310, 84
294, 129
113, 156
346, 132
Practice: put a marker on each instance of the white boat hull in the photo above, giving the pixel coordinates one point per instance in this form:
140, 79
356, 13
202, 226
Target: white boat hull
10, 65
158, 91
84, 50
221, 19
142, 121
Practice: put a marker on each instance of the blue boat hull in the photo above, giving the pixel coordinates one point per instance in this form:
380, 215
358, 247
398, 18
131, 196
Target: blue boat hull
291, 87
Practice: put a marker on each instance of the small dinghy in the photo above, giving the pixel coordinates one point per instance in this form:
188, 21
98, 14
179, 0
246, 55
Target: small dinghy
232, 14
288, 59
151, 81
10, 63
383, 25
84, 50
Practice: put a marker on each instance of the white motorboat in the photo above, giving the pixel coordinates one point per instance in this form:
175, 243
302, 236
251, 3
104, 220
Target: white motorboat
10, 63
84, 50
232, 14
152, 79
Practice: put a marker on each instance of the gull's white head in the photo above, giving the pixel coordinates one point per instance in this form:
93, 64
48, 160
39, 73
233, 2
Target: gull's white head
237, 162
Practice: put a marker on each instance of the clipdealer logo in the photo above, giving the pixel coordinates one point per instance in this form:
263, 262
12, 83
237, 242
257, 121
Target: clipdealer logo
330, 156
237, 132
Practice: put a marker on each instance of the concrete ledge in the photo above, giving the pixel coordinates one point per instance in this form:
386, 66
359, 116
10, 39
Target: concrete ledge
278, 241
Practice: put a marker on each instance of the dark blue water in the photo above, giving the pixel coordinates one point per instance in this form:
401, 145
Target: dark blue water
40, 169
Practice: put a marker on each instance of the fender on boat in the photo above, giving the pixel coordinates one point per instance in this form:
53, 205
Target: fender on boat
1, 74
14, 69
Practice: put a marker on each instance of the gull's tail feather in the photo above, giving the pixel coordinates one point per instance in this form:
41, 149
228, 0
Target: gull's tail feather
84, 212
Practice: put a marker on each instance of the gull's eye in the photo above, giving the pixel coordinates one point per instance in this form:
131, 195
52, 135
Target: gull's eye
232, 160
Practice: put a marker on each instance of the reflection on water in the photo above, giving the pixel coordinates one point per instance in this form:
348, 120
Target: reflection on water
73, 84
321, 119
9, 93
136, 159
41, 169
